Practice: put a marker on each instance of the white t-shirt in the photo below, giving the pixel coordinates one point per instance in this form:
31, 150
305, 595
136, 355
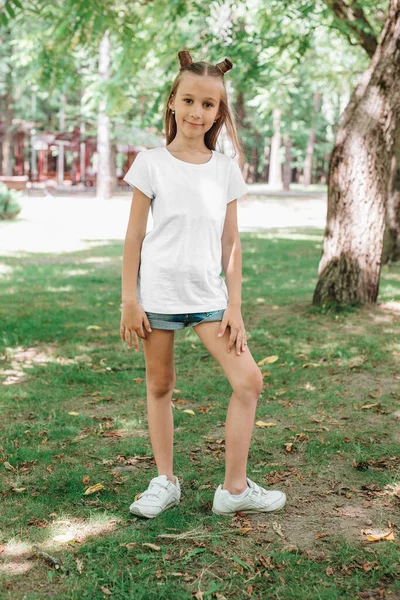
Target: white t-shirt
181, 257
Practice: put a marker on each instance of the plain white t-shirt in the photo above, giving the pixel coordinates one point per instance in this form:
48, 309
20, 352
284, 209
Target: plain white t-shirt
181, 257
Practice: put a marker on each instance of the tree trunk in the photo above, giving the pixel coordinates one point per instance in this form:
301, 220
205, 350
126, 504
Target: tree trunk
104, 183
350, 266
275, 170
287, 166
391, 248
311, 141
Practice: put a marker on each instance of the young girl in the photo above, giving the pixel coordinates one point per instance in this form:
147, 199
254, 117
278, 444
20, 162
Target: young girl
171, 280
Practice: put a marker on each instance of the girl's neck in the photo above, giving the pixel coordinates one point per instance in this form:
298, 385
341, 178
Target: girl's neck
189, 146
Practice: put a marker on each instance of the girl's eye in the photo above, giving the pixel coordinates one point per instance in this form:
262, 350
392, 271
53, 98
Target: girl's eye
190, 101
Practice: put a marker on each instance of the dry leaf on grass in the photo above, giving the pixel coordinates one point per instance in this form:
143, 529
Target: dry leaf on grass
152, 546
375, 535
265, 424
93, 489
268, 360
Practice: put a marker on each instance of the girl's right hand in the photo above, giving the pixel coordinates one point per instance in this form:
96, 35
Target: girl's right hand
134, 323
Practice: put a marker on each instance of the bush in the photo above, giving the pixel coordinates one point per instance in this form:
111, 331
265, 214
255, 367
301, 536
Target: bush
9, 205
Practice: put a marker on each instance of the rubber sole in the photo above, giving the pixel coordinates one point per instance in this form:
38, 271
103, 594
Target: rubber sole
136, 512
249, 511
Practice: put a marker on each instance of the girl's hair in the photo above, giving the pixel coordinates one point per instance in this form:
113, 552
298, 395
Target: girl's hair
226, 117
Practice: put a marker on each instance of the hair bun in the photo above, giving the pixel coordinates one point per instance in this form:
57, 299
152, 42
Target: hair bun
224, 66
184, 58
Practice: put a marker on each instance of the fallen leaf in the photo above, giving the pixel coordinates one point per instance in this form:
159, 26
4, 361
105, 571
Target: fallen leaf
93, 489
152, 546
96, 327
265, 424
277, 528
318, 536
105, 590
189, 411
8, 466
375, 535
268, 360
73, 413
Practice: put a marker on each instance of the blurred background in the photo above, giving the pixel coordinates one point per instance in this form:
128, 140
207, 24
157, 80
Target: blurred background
83, 83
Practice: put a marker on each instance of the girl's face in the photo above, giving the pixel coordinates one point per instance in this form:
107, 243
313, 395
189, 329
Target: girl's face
196, 104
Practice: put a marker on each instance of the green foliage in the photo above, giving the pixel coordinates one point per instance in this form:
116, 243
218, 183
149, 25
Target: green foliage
9, 201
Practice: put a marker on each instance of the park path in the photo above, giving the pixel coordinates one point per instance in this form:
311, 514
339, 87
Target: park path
77, 222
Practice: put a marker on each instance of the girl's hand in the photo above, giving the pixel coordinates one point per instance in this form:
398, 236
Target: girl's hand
134, 324
233, 319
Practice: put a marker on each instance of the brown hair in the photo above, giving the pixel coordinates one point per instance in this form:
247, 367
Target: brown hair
226, 117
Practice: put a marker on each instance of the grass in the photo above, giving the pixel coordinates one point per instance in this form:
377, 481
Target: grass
73, 405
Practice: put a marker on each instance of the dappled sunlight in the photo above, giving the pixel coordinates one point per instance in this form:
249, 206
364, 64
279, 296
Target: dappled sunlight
74, 272
13, 557
26, 358
70, 529
66, 288
96, 259
14, 553
16, 549
391, 305
6, 271
15, 568
380, 318
130, 424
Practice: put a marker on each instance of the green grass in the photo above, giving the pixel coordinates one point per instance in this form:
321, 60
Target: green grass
331, 394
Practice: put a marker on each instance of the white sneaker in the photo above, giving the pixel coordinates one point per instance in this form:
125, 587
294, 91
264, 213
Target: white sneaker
257, 500
160, 495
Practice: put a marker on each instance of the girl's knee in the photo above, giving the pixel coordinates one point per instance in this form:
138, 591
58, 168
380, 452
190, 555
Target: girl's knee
252, 387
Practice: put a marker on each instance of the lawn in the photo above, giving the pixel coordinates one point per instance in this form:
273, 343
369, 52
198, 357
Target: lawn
73, 406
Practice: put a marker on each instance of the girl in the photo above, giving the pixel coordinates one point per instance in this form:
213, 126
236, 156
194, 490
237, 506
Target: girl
171, 280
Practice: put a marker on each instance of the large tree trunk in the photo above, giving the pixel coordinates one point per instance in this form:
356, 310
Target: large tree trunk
357, 22
359, 171
391, 247
104, 180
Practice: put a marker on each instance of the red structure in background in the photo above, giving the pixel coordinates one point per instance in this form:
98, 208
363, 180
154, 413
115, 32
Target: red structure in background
45, 156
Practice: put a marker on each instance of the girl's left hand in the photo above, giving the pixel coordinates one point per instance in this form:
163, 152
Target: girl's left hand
233, 319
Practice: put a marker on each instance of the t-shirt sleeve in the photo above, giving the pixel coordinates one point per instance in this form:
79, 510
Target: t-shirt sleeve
237, 186
139, 175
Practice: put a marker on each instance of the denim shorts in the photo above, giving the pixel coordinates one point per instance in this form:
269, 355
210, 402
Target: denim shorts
180, 321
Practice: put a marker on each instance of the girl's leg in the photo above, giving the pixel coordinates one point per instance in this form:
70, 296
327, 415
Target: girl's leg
246, 381
160, 381
238, 430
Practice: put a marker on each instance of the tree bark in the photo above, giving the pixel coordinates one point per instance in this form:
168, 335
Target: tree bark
287, 165
359, 171
391, 247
